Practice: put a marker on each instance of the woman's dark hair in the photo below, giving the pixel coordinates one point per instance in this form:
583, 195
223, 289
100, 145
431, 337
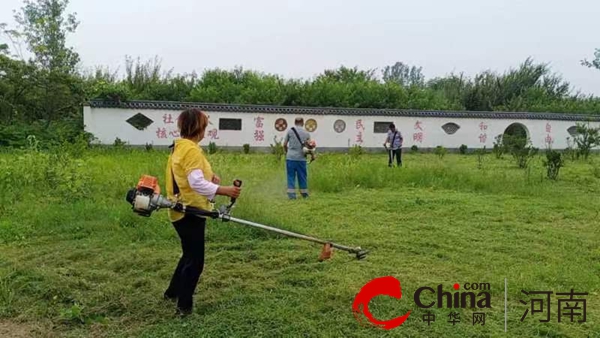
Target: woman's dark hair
392, 126
191, 123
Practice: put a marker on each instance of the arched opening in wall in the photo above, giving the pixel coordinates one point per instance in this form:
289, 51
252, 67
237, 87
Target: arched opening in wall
517, 130
517, 133
572, 131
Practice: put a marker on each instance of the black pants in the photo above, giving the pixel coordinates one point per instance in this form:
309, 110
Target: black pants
398, 154
185, 278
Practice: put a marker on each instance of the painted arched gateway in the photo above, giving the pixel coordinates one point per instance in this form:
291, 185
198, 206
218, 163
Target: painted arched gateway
150, 122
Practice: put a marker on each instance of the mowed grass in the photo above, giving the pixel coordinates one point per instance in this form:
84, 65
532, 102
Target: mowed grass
87, 266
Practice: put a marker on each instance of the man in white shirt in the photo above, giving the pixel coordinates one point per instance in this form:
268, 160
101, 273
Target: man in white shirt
393, 144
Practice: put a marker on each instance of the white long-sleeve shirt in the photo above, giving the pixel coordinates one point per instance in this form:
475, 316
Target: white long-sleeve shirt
201, 185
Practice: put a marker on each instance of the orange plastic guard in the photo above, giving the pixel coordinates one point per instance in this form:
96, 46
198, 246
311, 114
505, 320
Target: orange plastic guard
149, 183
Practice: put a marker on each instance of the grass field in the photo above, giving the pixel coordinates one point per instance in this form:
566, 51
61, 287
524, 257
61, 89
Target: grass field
76, 262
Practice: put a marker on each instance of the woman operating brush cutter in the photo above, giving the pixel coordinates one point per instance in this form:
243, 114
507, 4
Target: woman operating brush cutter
191, 181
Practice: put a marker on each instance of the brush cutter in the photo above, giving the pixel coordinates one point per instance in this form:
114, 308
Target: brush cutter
145, 198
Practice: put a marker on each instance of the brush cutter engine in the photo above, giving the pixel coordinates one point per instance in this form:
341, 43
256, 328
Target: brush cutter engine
145, 198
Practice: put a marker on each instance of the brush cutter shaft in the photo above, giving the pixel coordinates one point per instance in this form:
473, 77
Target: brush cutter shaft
292, 234
145, 198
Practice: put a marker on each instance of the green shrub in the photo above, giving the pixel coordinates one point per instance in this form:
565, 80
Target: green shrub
595, 170
55, 134
356, 151
277, 148
414, 149
212, 148
73, 314
440, 151
463, 149
57, 174
480, 157
119, 143
65, 175
521, 149
76, 147
499, 147
246, 148
33, 143
553, 163
569, 152
586, 139
149, 147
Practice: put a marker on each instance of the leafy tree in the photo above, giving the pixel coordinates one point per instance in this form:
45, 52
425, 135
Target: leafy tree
595, 63
586, 138
453, 87
348, 75
17, 89
404, 74
44, 26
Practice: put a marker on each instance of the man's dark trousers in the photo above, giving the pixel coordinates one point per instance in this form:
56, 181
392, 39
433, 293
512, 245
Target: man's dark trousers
395, 153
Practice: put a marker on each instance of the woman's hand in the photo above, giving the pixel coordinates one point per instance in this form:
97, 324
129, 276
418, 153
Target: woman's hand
231, 191
216, 179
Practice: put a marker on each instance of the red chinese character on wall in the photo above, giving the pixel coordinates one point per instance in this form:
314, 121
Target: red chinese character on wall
259, 121
418, 137
213, 134
259, 135
548, 128
359, 125
359, 137
483, 136
161, 133
549, 140
167, 118
174, 133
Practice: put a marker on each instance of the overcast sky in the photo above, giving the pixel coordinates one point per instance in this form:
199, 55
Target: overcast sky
300, 38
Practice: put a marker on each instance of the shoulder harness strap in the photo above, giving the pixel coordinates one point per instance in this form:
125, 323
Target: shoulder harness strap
175, 186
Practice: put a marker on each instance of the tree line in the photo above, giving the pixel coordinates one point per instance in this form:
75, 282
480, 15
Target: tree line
47, 89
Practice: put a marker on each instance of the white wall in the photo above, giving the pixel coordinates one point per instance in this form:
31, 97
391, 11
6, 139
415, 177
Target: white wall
109, 123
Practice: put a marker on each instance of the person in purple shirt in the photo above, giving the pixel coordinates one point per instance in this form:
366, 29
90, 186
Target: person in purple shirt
393, 144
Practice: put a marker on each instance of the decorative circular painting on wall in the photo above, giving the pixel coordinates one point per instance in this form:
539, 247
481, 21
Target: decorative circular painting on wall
280, 124
310, 125
339, 126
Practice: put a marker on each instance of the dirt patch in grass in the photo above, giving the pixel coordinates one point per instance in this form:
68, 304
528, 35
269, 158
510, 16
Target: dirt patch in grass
13, 329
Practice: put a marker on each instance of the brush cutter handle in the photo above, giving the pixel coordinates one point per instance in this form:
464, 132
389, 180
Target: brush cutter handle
196, 211
236, 183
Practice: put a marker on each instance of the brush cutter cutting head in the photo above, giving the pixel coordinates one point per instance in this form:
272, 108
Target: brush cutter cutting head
326, 253
360, 254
